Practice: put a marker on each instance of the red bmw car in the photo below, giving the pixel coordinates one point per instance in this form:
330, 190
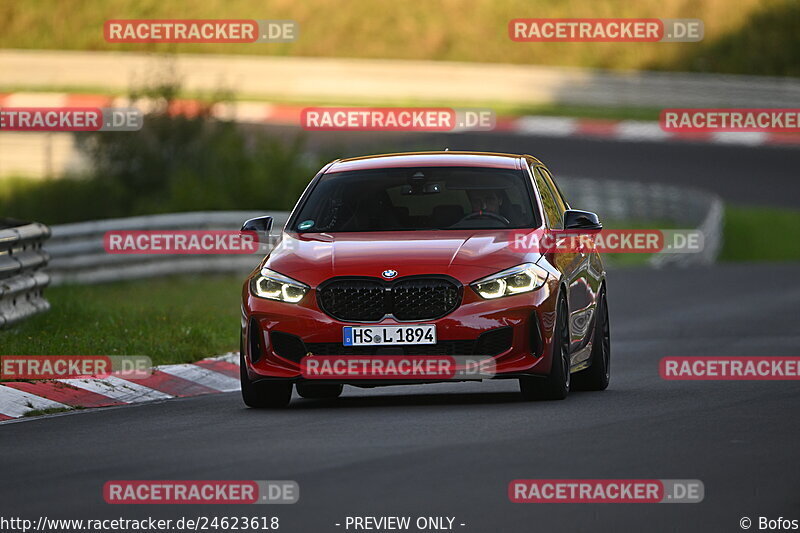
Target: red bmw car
413, 254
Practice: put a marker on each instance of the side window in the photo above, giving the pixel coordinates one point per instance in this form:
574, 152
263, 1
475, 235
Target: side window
559, 196
552, 209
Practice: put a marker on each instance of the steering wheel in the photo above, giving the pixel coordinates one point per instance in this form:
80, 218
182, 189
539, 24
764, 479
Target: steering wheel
487, 214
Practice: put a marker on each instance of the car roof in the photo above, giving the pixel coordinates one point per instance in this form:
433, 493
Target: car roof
428, 159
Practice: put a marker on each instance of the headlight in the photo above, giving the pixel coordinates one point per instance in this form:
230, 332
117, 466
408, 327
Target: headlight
523, 278
274, 286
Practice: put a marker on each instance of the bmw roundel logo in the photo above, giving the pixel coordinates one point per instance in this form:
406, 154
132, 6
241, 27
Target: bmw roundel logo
389, 274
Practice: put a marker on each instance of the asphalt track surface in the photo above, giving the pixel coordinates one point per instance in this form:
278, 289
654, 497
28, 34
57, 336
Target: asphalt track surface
452, 449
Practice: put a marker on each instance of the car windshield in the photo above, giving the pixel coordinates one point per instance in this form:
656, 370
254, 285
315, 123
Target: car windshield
398, 199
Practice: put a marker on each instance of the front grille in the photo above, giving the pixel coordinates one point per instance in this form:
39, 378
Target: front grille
421, 299
354, 299
457, 347
372, 299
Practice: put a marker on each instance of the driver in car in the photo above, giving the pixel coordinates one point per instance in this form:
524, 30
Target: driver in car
487, 203
484, 200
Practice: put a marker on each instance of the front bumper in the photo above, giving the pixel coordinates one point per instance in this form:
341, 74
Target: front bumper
271, 331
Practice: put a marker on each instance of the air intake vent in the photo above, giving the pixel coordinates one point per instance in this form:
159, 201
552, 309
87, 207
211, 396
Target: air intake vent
288, 346
495, 341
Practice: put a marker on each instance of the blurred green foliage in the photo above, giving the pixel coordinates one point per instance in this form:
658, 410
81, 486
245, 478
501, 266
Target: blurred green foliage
174, 163
761, 234
741, 36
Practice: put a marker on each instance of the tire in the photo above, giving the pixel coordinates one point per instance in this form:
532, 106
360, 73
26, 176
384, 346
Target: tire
318, 391
556, 385
262, 394
597, 376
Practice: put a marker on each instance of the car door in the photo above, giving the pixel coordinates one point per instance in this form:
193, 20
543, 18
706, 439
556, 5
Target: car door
573, 263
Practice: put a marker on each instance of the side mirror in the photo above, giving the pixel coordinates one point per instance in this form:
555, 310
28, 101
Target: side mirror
586, 220
261, 225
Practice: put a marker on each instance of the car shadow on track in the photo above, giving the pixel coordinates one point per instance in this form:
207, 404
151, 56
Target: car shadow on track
361, 398
410, 399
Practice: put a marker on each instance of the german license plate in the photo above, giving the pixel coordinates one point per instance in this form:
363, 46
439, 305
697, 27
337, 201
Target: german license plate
389, 335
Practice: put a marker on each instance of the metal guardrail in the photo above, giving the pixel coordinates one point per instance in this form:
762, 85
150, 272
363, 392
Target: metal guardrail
78, 255
679, 207
22, 280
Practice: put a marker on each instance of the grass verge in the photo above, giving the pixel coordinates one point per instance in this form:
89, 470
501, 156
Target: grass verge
754, 37
761, 234
171, 320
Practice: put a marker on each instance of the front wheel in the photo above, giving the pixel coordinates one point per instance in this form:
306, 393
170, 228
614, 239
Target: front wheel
597, 376
262, 394
556, 385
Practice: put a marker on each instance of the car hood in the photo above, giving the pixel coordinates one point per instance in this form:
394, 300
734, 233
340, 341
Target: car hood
463, 254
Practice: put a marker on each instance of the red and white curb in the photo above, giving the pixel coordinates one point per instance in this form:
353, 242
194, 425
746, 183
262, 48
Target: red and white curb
640, 130
289, 115
209, 376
